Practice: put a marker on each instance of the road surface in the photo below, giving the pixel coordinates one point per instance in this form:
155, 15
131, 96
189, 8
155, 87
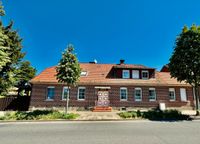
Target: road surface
117, 132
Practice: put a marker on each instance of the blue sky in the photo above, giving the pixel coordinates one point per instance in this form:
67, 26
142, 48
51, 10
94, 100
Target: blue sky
139, 31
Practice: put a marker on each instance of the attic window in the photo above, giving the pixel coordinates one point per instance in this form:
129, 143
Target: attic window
145, 74
84, 73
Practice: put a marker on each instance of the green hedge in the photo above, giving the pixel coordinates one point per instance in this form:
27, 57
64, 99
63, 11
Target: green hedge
155, 115
38, 115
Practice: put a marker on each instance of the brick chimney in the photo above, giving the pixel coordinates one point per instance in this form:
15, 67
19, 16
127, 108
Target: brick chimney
122, 61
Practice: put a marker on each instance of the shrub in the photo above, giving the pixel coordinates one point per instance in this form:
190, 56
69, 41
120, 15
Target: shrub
156, 115
2, 118
38, 115
130, 114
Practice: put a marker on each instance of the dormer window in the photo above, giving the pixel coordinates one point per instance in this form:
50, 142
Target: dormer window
125, 74
145, 74
83, 73
135, 74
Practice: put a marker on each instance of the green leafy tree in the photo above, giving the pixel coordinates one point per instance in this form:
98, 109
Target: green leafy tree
24, 73
14, 47
4, 55
185, 60
2, 12
13, 71
68, 70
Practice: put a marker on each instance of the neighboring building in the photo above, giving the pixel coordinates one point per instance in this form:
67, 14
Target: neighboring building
115, 85
165, 68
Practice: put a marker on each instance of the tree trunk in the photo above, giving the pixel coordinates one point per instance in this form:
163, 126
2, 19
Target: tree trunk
67, 102
197, 98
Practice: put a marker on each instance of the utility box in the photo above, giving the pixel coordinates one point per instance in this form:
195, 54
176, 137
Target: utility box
162, 106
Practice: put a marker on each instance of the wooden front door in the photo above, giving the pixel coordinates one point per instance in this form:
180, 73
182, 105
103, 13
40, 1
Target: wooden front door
103, 98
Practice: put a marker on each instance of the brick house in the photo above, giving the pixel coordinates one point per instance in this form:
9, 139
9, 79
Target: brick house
114, 85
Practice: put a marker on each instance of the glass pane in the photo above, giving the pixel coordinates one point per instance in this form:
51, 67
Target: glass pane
171, 95
135, 74
50, 93
126, 74
152, 94
123, 94
65, 93
82, 93
144, 74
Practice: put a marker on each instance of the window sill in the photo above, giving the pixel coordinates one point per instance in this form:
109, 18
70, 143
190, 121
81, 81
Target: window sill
49, 100
123, 100
138, 100
172, 100
152, 100
81, 100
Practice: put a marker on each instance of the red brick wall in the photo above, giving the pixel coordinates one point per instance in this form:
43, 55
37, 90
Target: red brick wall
39, 92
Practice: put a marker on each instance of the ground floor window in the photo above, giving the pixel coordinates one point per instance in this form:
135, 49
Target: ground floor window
65, 93
50, 92
138, 94
152, 94
183, 94
123, 93
172, 94
81, 93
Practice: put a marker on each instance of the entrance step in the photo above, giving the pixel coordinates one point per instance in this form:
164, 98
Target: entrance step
102, 109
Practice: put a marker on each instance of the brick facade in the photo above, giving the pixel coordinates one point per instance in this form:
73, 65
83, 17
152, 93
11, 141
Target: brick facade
39, 93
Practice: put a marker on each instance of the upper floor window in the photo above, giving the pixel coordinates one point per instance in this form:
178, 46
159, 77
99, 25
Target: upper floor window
81, 93
65, 93
138, 94
135, 74
145, 74
152, 94
83, 73
123, 93
171, 94
125, 74
50, 92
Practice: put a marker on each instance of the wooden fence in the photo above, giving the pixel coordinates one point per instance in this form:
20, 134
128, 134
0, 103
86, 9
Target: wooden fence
20, 103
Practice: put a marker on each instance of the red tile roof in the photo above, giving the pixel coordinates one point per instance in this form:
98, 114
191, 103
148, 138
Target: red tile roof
97, 75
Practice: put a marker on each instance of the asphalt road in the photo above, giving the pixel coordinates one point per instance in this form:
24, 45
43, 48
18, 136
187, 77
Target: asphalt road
101, 133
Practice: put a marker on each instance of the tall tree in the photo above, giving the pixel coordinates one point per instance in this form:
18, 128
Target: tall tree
4, 55
14, 47
68, 70
2, 12
24, 73
185, 60
11, 56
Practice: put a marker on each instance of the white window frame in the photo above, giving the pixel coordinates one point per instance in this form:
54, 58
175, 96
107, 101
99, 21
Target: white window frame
47, 99
124, 88
172, 89
185, 94
123, 71
84, 73
145, 71
78, 94
138, 100
155, 94
138, 72
63, 93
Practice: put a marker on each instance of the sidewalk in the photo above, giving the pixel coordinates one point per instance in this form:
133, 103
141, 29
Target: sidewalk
98, 115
